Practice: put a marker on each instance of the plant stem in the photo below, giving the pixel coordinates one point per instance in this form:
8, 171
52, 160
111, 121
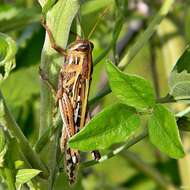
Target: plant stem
153, 67
112, 153
146, 35
167, 99
9, 178
100, 95
53, 161
42, 141
27, 150
116, 32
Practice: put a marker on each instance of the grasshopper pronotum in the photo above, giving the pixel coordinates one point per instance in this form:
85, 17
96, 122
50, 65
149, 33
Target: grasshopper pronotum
72, 95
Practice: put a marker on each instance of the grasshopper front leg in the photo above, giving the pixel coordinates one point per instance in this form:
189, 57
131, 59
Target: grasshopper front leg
56, 47
47, 6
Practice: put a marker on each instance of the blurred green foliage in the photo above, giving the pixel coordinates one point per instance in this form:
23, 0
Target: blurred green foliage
20, 20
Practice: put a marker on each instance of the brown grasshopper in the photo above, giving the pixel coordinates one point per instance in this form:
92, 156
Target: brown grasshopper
72, 95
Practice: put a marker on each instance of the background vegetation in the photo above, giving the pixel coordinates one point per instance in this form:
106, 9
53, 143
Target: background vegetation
145, 38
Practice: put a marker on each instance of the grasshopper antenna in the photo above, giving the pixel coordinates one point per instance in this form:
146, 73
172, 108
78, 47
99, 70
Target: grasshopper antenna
80, 32
98, 20
75, 34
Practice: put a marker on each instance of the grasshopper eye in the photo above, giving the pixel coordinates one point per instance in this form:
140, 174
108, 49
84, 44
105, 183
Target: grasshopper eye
83, 47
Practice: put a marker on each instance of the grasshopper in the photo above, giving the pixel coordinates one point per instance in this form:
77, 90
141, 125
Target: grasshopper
72, 95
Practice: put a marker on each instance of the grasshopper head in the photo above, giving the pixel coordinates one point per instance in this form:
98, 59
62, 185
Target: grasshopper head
81, 46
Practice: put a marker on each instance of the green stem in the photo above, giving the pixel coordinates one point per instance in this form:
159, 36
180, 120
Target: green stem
27, 150
98, 96
167, 99
183, 112
112, 153
8, 170
153, 67
116, 32
147, 34
42, 141
53, 162
9, 178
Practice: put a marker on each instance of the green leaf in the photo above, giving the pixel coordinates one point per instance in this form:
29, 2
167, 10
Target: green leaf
92, 6
163, 132
130, 89
180, 77
112, 125
16, 18
25, 175
7, 55
21, 86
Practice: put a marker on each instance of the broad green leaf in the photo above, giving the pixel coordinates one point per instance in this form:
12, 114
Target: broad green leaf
7, 56
25, 175
180, 77
92, 6
21, 86
163, 132
112, 125
130, 89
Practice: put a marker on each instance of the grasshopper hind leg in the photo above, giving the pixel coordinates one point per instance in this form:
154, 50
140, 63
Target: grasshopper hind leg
95, 153
71, 159
70, 166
